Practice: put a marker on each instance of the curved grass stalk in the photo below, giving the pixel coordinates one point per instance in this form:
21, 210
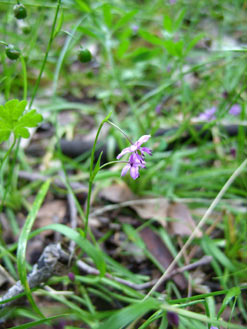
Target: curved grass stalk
235, 174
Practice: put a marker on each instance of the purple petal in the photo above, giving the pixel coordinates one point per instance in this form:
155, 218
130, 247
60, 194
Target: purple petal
208, 115
134, 28
158, 108
124, 151
213, 327
142, 140
147, 150
172, 318
125, 169
71, 276
235, 109
233, 152
134, 172
137, 160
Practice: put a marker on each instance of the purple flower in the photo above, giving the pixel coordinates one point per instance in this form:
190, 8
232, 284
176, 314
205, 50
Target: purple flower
136, 159
213, 327
235, 109
172, 2
133, 166
208, 115
71, 276
134, 28
137, 147
233, 152
172, 318
158, 109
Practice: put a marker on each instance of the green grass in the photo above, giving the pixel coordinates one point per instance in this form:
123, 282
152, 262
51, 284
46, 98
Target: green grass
155, 65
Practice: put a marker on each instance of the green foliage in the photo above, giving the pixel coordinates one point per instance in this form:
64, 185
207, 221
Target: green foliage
155, 65
14, 120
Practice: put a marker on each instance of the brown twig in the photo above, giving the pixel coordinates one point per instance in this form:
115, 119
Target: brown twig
31, 176
53, 261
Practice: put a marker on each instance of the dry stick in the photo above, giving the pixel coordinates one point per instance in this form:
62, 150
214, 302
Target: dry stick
56, 181
135, 202
53, 261
73, 220
200, 224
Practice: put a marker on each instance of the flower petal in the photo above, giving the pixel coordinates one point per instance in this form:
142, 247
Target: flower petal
142, 140
147, 150
125, 169
134, 172
208, 115
235, 109
124, 151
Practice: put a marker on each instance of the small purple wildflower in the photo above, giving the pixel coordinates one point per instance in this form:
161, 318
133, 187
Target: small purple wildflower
225, 94
208, 115
71, 276
235, 109
213, 327
233, 152
59, 325
158, 109
136, 159
172, 2
134, 28
137, 147
133, 166
172, 318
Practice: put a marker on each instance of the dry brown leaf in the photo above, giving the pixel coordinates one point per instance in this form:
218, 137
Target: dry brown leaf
146, 208
152, 208
117, 193
51, 212
183, 223
159, 250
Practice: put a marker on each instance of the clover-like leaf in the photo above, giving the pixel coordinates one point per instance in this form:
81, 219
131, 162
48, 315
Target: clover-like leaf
14, 120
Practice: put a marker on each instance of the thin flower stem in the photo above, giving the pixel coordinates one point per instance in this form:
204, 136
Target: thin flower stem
46, 54
62, 56
113, 124
111, 162
1, 166
24, 72
90, 185
7, 153
235, 174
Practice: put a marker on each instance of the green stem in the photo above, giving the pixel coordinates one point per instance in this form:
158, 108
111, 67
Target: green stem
111, 162
91, 178
122, 86
115, 126
62, 56
46, 54
1, 166
7, 153
24, 72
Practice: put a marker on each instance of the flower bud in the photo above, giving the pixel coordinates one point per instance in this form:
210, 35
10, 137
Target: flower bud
20, 11
12, 53
84, 55
71, 276
172, 318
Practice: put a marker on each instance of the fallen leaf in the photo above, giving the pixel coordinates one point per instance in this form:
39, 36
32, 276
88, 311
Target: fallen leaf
183, 223
51, 212
159, 250
117, 193
152, 208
